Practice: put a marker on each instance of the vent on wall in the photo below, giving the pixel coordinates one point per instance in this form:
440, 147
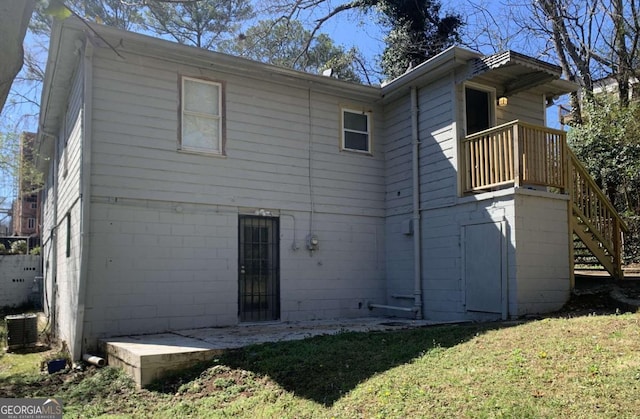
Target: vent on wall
22, 330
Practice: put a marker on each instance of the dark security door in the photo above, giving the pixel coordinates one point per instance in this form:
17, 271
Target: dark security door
259, 269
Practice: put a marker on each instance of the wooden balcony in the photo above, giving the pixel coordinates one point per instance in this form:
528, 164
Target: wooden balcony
525, 155
514, 154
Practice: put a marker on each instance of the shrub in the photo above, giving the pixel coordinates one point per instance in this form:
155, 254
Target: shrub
19, 247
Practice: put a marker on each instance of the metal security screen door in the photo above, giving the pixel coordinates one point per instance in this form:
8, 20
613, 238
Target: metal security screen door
259, 269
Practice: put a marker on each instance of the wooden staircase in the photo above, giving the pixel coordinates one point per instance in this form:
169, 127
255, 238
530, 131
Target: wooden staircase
525, 155
597, 228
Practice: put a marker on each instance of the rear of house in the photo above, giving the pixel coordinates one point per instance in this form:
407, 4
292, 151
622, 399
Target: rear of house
190, 189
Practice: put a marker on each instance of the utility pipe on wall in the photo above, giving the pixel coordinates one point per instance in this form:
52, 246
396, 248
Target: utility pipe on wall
417, 256
415, 168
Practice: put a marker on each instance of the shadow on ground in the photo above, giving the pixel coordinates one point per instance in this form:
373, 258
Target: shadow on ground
325, 368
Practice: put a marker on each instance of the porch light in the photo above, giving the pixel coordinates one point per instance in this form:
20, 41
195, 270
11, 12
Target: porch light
503, 101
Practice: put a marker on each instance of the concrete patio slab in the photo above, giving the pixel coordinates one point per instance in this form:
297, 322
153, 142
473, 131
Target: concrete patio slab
149, 357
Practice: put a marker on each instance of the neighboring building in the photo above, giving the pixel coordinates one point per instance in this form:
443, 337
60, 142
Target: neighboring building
26, 207
187, 188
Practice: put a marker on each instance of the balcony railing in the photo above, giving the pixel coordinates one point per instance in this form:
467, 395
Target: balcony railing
521, 154
515, 153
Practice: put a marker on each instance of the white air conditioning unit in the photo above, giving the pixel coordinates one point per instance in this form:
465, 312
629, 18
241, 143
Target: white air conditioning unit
22, 330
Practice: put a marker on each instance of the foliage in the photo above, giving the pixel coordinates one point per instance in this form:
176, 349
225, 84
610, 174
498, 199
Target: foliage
19, 247
3, 249
417, 33
283, 43
35, 251
608, 144
201, 24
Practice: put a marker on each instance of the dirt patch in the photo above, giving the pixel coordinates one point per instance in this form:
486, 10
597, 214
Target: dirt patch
598, 296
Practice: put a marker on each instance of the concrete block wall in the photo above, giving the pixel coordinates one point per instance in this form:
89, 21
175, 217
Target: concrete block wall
17, 276
337, 280
542, 260
158, 266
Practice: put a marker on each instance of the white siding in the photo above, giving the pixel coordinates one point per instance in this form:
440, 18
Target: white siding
525, 106
268, 131
164, 230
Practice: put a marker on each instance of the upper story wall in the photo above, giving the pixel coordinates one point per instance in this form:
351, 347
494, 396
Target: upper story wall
282, 142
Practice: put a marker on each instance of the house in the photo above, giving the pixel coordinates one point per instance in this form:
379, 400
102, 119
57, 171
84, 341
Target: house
25, 211
187, 188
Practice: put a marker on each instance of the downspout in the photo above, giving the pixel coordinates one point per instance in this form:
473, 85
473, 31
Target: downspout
85, 196
417, 256
54, 239
417, 236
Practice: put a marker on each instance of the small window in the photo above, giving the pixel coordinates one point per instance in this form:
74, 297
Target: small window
31, 223
34, 205
356, 134
201, 118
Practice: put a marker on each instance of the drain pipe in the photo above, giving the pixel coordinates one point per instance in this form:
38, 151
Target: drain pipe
417, 256
415, 167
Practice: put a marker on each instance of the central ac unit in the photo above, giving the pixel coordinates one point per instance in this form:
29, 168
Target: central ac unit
22, 330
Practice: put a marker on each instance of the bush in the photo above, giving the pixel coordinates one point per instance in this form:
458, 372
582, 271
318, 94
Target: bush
3, 249
19, 247
35, 251
632, 239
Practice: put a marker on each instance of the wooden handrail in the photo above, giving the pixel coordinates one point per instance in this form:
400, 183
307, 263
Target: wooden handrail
593, 187
515, 153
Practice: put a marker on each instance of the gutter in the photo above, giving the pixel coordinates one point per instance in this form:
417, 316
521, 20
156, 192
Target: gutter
85, 197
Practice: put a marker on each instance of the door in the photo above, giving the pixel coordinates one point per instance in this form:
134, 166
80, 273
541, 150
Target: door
478, 110
259, 269
483, 267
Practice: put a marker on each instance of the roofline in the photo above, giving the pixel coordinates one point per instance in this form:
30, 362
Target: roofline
431, 69
146, 45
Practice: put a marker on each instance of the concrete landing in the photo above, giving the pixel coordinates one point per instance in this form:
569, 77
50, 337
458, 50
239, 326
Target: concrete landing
149, 357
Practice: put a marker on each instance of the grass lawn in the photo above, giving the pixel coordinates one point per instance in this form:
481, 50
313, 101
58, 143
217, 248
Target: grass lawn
585, 366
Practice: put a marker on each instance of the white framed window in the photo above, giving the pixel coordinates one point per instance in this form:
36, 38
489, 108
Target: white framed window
356, 130
201, 116
31, 223
34, 205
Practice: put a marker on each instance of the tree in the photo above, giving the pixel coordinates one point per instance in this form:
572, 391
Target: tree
283, 43
200, 23
416, 30
417, 33
608, 144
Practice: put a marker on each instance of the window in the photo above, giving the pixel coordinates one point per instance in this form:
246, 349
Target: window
31, 223
356, 130
34, 205
201, 116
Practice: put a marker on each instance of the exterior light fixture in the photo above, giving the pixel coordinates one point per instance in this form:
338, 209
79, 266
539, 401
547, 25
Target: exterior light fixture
503, 101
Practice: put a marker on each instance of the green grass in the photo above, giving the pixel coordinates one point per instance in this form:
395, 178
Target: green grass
580, 367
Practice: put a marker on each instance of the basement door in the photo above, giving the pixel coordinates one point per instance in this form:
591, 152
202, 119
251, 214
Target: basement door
484, 269
259, 269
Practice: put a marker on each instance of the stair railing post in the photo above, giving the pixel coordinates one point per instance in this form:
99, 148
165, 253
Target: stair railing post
517, 156
617, 248
569, 190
